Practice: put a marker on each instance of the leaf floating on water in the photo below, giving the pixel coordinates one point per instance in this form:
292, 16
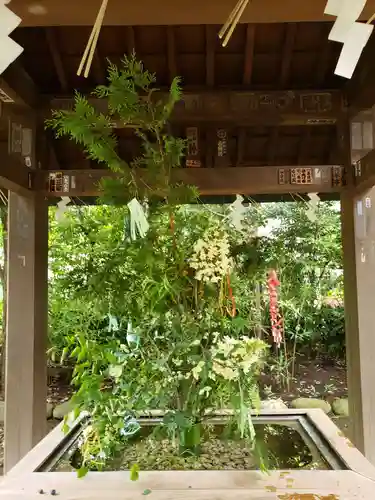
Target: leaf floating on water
82, 472
134, 472
146, 492
271, 489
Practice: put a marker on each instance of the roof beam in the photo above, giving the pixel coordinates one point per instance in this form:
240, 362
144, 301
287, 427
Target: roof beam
170, 12
244, 108
209, 181
249, 54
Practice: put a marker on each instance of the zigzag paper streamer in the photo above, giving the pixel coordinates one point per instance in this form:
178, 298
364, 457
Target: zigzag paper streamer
9, 49
347, 30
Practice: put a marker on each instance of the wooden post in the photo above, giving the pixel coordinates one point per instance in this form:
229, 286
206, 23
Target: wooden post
358, 236
26, 336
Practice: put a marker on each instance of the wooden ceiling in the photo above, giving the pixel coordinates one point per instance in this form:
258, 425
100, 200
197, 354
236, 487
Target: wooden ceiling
267, 57
259, 56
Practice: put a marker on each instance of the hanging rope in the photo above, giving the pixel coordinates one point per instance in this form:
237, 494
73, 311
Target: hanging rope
232, 21
88, 55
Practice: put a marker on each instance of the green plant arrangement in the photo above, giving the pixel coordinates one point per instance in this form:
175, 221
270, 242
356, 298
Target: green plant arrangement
175, 339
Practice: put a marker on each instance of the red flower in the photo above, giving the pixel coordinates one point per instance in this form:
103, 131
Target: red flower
276, 320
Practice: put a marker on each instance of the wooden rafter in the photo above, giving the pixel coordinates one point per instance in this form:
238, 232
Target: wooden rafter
323, 57
272, 145
53, 46
241, 145
98, 67
249, 54
303, 146
287, 53
210, 55
171, 53
130, 39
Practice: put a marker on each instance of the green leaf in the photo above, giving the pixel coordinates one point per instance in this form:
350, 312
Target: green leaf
63, 355
65, 428
146, 492
115, 371
134, 472
82, 472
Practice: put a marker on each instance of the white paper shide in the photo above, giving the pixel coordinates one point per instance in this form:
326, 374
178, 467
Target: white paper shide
348, 31
9, 49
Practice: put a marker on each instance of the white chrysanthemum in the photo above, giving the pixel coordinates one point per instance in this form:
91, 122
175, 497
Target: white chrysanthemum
210, 257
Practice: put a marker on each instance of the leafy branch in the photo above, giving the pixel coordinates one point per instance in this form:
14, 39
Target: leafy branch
132, 103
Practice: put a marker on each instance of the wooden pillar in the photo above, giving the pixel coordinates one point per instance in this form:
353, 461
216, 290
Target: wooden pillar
358, 236
26, 334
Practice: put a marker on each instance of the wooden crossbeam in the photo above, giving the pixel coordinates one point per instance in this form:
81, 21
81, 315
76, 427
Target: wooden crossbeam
209, 181
244, 108
169, 12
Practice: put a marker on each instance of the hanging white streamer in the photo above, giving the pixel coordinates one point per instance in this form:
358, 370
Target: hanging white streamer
348, 13
238, 211
346, 30
9, 49
62, 207
356, 40
312, 206
138, 220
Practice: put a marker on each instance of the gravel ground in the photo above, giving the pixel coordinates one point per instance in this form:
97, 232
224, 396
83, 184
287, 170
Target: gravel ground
164, 455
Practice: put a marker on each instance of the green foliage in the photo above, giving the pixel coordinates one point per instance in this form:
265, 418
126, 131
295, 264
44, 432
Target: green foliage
134, 103
192, 354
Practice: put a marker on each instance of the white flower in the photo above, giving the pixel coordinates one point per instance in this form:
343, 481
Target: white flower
210, 258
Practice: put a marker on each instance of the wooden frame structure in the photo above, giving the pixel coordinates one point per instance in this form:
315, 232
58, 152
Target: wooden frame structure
284, 122
355, 480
